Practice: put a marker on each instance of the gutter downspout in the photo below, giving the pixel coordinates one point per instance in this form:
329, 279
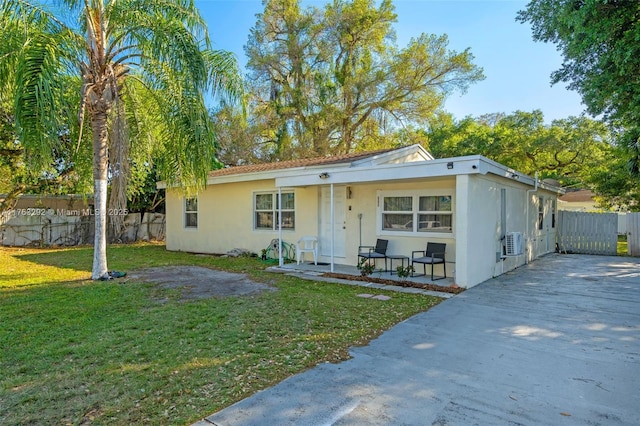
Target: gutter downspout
280, 259
529, 192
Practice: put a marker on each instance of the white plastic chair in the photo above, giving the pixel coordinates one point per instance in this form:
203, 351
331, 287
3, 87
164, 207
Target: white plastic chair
307, 245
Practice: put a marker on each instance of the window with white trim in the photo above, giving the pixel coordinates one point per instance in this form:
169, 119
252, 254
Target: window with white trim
191, 212
417, 213
265, 208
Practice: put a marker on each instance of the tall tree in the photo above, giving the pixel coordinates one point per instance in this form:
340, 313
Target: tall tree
68, 172
614, 186
570, 150
599, 42
333, 80
114, 54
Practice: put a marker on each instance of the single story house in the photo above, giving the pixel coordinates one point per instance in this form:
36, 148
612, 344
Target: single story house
492, 218
581, 200
53, 202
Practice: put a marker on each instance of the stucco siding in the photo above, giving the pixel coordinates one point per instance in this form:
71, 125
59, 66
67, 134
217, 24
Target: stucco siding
475, 247
225, 218
483, 228
365, 200
483, 250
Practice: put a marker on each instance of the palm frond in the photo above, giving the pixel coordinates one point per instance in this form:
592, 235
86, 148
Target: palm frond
224, 75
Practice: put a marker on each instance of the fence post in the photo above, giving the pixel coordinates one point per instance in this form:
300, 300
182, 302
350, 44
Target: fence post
633, 234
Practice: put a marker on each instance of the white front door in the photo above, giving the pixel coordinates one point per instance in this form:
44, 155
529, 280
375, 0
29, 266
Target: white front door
339, 220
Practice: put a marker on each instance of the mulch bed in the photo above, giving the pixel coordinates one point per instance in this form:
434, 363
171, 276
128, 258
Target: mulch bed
432, 287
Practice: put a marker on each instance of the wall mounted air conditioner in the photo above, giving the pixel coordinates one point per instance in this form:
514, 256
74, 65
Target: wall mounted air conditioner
514, 243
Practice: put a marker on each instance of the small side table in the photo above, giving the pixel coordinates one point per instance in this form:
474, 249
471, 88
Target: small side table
399, 257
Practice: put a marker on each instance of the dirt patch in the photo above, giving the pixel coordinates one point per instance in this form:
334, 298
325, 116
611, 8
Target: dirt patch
197, 282
431, 287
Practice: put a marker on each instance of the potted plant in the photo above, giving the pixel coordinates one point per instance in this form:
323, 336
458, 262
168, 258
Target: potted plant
404, 272
366, 267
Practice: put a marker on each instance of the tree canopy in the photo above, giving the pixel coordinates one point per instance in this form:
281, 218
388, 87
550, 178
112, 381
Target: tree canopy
105, 74
332, 80
570, 150
599, 41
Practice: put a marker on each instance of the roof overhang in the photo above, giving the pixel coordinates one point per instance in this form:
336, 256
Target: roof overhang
348, 173
444, 167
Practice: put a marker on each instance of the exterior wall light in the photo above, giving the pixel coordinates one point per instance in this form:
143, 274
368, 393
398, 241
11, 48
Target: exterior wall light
450, 165
324, 175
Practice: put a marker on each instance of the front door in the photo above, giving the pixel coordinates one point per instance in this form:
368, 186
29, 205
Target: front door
339, 220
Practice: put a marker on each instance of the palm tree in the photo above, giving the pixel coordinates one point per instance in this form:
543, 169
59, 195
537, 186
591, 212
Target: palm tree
108, 72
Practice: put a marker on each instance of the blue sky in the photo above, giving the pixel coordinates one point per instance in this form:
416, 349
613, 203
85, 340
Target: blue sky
517, 69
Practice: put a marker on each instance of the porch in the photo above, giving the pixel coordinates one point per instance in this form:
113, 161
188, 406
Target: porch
309, 269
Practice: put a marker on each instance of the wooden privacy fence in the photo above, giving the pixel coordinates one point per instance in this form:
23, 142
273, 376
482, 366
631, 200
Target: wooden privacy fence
633, 234
587, 233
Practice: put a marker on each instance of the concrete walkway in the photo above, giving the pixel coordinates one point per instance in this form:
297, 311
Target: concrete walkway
556, 342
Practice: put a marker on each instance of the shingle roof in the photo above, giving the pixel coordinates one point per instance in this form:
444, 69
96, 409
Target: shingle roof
581, 195
305, 162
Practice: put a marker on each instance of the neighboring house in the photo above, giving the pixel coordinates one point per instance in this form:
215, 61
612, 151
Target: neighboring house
578, 201
582, 200
402, 195
54, 202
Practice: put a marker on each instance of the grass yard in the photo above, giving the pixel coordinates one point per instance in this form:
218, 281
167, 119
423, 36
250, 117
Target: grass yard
622, 245
74, 351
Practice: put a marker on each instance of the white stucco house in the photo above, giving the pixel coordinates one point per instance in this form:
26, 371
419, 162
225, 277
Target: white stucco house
492, 218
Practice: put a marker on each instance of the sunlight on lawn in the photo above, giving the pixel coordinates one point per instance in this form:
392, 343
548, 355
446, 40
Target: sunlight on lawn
18, 273
129, 352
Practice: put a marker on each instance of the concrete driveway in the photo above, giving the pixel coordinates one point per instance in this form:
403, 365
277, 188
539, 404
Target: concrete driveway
556, 342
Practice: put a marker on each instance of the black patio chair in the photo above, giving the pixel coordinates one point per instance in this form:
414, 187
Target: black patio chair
377, 252
433, 255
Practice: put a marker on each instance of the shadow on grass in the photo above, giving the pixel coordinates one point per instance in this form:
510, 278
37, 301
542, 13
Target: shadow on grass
136, 256
113, 350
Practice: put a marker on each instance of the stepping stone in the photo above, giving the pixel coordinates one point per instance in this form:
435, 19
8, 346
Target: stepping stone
365, 295
381, 297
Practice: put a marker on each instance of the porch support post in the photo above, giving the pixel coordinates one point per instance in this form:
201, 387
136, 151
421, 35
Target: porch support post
465, 261
280, 260
333, 225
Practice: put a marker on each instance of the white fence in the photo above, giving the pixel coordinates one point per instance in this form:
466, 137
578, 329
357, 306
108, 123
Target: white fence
622, 223
48, 227
633, 234
588, 233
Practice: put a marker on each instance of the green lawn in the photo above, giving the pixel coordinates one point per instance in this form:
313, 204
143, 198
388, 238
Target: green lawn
622, 245
74, 351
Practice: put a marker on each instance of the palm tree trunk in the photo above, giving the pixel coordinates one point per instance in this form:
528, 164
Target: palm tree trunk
100, 161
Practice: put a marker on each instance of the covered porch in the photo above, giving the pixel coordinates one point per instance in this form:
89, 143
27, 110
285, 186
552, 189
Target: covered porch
308, 268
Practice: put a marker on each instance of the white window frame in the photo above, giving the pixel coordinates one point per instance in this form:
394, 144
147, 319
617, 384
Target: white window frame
274, 211
190, 212
415, 213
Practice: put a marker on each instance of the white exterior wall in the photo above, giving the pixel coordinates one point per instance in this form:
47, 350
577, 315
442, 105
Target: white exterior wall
225, 218
479, 239
225, 221
365, 200
482, 246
